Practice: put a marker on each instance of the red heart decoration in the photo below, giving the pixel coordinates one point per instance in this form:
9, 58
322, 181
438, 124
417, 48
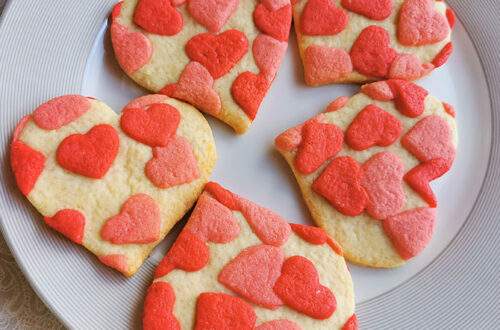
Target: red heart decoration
172, 165
443, 55
410, 231
27, 165
322, 17
377, 10
299, 288
340, 184
158, 308
70, 223
154, 126
213, 221
351, 324
138, 222
90, 154
188, 253
248, 91
218, 53
222, 195
383, 183
274, 23
409, 97
313, 235
222, 311
371, 53
320, 142
373, 126
419, 177
158, 17
252, 274
116, 11
420, 24
430, 138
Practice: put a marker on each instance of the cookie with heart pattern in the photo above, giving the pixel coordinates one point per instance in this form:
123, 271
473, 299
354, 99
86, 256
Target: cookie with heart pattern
115, 184
369, 186
344, 41
237, 265
219, 55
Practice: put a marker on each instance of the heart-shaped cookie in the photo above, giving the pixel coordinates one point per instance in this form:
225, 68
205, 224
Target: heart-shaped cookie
397, 140
105, 181
224, 266
219, 55
368, 38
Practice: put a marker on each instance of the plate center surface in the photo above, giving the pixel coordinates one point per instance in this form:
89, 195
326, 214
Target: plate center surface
250, 166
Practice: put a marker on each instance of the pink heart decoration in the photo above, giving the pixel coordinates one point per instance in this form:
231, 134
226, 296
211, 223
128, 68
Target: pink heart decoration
383, 182
172, 165
420, 24
278, 325
268, 53
409, 67
138, 222
252, 274
410, 231
213, 221
60, 111
267, 225
212, 14
132, 49
195, 86
324, 65
430, 138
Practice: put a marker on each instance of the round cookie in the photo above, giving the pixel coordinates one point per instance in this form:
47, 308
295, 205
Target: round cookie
220, 56
365, 165
237, 265
359, 41
115, 184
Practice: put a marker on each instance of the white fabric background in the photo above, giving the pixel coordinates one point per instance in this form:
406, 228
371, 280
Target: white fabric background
20, 307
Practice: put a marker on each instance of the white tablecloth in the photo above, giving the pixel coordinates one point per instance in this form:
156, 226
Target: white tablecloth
20, 307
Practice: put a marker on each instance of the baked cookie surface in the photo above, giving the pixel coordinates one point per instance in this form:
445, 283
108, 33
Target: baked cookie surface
365, 165
343, 41
237, 265
220, 56
115, 184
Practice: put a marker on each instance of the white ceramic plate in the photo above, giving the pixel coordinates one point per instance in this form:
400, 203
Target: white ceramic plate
53, 48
